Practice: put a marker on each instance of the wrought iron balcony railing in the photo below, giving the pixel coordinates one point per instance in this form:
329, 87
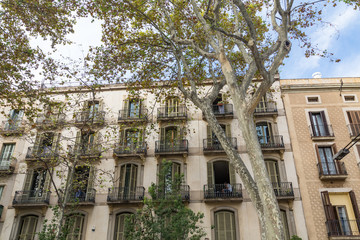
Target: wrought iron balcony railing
46, 120
6, 164
135, 148
283, 189
41, 152
222, 191
343, 227
170, 192
211, 144
175, 112
223, 109
133, 114
97, 117
12, 127
171, 146
82, 196
354, 129
119, 194
85, 150
266, 108
331, 168
35, 197
323, 130
275, 141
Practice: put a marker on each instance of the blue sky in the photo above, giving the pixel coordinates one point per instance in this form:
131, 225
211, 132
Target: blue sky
342, 39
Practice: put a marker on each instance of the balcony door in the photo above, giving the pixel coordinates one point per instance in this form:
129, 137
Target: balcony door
171, 138
133, 108
6, 154
212, 140
318, 124
93, 109
132, 138
264, 132
36, 185
354, 121
172, 107
87, 142
274, 176
119, 233
173, 171
327, 164
15, 116
220, 173
225, 228
27, 227
81, 183
128, 181
75, 226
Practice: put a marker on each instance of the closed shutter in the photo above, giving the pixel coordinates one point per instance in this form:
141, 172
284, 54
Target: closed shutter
321, 168
176, 170
120, 226
225, 226
210, 173
6, 153
90, 184
228, 130
232, 174
122, 137
28, 179
27, 229
133, 180
354, 205
55, 144
78, 142
39, 138
125, 113
116, 176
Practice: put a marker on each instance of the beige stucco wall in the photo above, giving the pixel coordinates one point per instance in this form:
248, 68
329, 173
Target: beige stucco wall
294, 92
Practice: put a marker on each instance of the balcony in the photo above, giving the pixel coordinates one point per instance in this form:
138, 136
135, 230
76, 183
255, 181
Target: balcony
182, 190
354, 129
220, 192
89, 118
41, 153
12, 127
321, 132
211, 145
172, 113
82, 197
46, 121
223, 111
125, 195
7, 165
343, 229
332, 170
31, 198
130, 150
85, 150
283, 190
138, 115
266, 109
271, 142
171, 147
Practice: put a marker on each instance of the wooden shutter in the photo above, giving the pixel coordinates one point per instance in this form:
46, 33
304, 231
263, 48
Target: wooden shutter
323, 119
90, 183
55, 143
225, 225
210, 173
122, 136
126, 108
120, 226
20, 116
228, 130
38, 139
328, 208
47, 179
232, 174
176, 169
272, 169
28, 179
319, 159
162, 134
11, 114
354, 117
354, 205
77, 142
122, 174
116, 180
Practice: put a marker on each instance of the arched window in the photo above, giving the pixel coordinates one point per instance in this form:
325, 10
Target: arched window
75, 224
27, 227
225, 228
120, 225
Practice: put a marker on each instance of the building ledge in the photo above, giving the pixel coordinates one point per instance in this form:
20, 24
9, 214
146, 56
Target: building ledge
333, 177
351, 237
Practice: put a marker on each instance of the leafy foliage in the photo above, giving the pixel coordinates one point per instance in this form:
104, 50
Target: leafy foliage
164, 216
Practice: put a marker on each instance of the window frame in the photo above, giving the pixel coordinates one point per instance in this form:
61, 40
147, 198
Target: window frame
236, 220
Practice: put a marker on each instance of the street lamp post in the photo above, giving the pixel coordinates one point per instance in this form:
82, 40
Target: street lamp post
346, 150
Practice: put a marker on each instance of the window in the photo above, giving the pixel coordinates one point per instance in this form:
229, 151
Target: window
75, 225
171, 139
221, 180
313, 99
327, 165
133, 108
83, 184
93, 108
173, 171
1, 191
319, 126
15, 117
341, 212
225, 228
286, 224
128, 181
87, 142
264, 132
27, 227
212, 142
120, 226
36, 185
354, 122
349, 98
6, 154
172, 107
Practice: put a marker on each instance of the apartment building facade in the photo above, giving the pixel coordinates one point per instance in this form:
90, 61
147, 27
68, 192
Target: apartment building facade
126, 138
323, 117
